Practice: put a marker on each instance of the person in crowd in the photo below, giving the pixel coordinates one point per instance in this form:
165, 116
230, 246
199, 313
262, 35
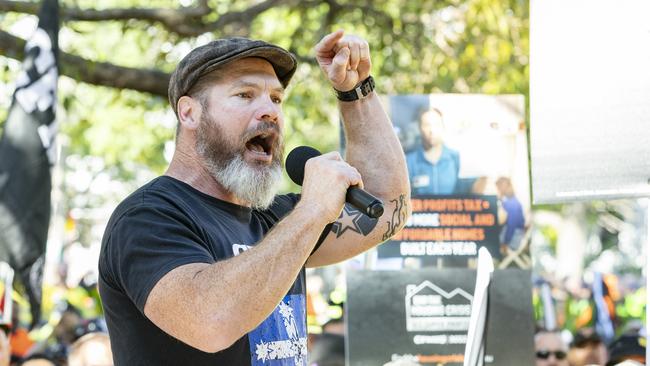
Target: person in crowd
19, 339
329, 346
205, 264
628, 348
433, 167
92, 349
587, 348
70, 327
39, 360
5, 349
514, 226
550, 349
66, 330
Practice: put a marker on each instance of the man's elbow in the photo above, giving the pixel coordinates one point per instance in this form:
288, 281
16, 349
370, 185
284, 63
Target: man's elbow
214, 340
214, 333
212, 347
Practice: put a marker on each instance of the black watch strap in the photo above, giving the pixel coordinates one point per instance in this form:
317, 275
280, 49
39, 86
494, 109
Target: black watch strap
359, 92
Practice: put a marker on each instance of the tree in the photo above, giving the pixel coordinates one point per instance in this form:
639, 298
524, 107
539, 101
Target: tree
131, 47
117, 56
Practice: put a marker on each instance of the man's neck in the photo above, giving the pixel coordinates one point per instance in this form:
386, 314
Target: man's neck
191, 170
433, 154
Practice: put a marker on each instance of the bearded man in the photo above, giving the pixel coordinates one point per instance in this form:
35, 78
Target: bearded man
205, 264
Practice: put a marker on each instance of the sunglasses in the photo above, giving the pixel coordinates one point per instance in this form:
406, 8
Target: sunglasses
545, 354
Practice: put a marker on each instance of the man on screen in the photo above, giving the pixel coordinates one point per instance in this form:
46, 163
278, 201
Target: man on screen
433, 167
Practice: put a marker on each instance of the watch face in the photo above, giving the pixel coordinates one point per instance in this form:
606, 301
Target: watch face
368, 85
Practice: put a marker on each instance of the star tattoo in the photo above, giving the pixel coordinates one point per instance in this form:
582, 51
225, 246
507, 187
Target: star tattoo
349, 220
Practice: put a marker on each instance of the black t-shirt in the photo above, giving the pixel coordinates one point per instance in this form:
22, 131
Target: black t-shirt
166, 224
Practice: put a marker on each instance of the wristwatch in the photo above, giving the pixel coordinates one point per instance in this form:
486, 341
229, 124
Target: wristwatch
359, 92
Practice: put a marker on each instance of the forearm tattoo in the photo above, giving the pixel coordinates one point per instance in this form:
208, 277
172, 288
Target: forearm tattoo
353, 220
398, 217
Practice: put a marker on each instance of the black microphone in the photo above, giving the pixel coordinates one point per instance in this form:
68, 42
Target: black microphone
357, 197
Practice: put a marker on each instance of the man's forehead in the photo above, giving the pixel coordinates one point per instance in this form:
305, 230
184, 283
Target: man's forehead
548, 338
431, 120
431, 116
250, 66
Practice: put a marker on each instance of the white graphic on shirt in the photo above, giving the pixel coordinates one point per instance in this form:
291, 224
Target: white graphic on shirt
295, 347
238, 249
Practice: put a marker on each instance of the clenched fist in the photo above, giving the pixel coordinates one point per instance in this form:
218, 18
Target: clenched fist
345, 59
327, 178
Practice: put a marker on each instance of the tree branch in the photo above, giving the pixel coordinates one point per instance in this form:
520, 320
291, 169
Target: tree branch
244, 16
97, 73
67, 13
185, 21
371, 11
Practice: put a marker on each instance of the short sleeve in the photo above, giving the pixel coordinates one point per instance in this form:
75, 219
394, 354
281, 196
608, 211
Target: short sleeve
145, 244
283, 204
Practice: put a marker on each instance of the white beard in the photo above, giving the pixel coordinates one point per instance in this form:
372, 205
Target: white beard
256, 186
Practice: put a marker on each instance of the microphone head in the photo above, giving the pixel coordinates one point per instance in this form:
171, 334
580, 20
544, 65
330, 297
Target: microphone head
295, 163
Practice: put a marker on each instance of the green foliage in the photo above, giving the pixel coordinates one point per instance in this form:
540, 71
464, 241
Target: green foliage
121, 126
473, 46
417, 47
478, 46
551, 234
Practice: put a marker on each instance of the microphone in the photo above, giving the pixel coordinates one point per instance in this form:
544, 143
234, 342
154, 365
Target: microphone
357, 197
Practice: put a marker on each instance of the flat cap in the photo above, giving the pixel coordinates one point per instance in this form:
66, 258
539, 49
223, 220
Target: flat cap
211, 56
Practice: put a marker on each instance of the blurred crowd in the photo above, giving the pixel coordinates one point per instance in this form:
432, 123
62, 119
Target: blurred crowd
598, 319
586, 347
72, 332
595, 320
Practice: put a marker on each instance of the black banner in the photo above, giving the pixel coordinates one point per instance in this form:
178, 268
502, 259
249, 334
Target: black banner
422, 317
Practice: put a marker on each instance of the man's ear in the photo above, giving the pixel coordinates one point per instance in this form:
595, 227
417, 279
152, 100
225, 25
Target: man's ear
189, 112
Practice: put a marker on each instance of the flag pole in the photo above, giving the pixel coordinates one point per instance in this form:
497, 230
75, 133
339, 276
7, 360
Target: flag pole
475, 346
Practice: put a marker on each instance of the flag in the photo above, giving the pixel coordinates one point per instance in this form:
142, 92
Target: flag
550, 321
604, 325
26, 156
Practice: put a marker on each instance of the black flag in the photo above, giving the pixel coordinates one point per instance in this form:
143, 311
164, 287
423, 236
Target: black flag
26, 155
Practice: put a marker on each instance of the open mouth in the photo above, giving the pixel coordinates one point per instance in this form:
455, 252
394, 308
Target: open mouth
262, 143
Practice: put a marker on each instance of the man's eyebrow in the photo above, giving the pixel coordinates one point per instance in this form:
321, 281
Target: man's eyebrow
244, 83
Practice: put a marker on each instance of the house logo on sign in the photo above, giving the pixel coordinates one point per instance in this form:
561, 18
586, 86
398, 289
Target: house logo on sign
432, 309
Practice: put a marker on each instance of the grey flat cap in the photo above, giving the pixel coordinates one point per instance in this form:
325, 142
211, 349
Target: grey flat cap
211, 56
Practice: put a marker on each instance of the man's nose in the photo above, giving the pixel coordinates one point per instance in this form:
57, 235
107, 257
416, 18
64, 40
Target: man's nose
268, 110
